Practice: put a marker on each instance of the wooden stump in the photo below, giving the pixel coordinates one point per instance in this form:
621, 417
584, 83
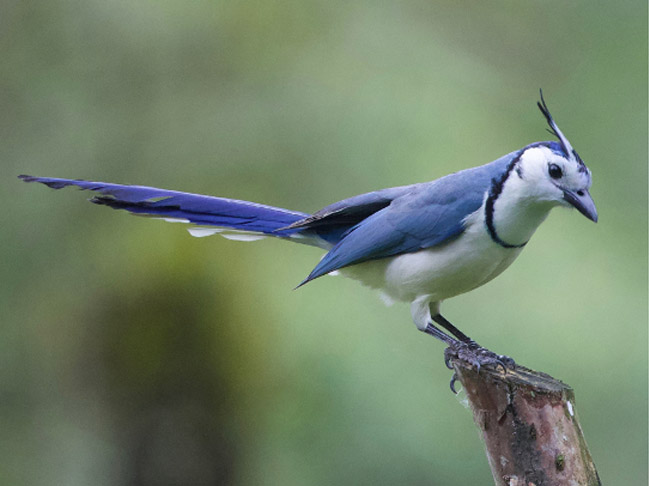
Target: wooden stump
529, 424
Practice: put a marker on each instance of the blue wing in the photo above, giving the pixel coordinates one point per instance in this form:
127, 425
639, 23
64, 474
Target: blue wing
332, 222
424, 216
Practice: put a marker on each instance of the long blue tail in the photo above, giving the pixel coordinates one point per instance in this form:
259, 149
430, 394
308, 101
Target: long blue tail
190, 208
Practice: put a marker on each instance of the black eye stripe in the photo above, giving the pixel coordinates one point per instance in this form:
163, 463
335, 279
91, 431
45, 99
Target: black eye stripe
554, 171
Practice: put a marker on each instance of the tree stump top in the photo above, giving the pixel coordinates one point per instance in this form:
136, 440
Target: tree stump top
529, 425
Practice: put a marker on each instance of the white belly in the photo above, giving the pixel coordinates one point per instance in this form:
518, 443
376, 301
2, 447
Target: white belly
428, 276
442, 272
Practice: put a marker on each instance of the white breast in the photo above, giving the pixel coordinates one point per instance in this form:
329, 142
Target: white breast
441, 272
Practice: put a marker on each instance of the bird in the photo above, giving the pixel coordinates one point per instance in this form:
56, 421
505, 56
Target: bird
421, 244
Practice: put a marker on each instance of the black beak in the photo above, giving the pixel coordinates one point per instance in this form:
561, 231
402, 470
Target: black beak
581, 200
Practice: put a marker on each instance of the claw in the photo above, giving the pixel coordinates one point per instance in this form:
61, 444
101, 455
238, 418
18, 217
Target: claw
454, 379
504, 362
448, 360
450, 353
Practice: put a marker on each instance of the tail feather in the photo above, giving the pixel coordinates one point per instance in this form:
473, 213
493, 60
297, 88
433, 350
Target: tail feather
242, 216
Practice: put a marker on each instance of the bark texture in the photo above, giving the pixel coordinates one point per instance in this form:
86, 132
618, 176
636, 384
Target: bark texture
529, 424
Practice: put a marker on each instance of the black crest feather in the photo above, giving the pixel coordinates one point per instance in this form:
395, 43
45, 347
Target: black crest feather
549, 119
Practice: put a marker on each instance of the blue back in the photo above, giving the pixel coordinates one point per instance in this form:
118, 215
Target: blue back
421, 216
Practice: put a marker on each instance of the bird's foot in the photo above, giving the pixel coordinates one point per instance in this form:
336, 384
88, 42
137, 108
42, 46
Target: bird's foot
477, 356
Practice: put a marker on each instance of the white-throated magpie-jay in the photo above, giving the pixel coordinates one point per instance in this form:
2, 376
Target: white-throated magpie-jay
422, 243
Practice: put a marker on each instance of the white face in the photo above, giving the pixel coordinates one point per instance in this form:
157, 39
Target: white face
553, 178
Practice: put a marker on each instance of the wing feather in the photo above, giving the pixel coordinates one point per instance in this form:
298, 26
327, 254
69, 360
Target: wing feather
425, 216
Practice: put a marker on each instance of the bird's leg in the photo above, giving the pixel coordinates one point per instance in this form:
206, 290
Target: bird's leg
468, 350
432, 330
440, 320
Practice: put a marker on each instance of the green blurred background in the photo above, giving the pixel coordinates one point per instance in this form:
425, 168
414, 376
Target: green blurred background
132, 353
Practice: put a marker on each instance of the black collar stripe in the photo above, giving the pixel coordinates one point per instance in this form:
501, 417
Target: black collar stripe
495, 191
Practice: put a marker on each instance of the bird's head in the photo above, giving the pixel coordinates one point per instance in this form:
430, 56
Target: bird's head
555, 173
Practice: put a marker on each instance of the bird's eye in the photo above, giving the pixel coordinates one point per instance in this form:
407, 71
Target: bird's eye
554, 171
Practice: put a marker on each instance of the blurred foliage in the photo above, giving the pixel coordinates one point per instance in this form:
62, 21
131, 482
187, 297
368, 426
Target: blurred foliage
131, 353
